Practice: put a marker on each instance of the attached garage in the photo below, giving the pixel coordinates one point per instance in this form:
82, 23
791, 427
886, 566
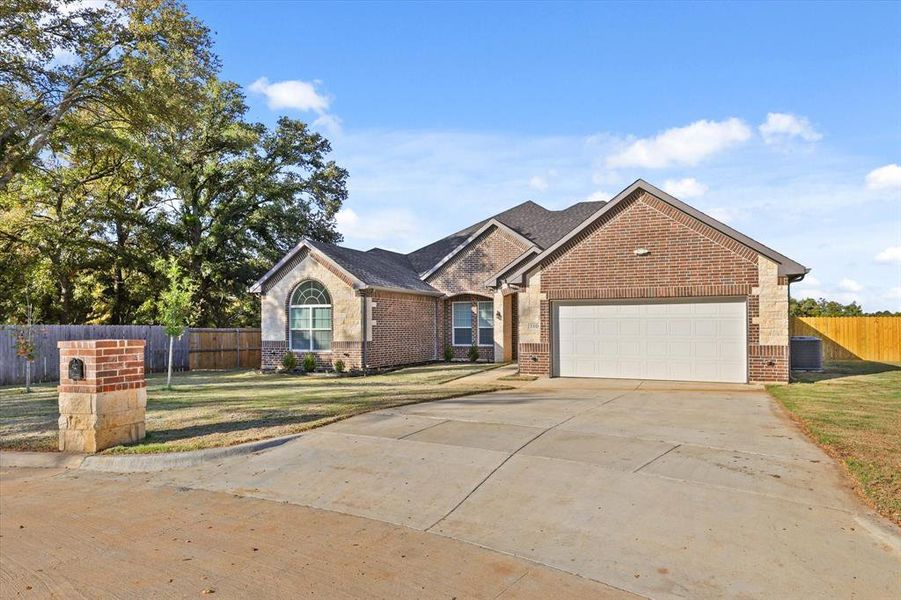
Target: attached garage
678, 340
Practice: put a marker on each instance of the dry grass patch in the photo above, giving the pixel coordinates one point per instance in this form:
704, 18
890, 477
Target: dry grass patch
853, 410
210, 409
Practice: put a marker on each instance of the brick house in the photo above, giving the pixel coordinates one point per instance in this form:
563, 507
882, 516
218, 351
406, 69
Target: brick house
641, 286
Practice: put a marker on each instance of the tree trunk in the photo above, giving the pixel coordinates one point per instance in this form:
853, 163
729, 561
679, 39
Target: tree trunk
169, 375
27, 375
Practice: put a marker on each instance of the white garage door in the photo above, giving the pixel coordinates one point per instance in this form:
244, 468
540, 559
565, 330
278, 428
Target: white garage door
681, 341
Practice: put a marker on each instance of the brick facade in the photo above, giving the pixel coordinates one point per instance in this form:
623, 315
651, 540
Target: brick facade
403, 329
687, 259
447, 330
467, 271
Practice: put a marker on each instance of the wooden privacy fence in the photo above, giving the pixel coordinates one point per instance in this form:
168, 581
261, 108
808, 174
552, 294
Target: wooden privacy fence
196, 349
46, 365
854, 338
224, 348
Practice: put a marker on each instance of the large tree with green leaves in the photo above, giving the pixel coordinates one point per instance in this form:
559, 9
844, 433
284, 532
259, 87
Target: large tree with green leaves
243, 195
121, 61
121, 145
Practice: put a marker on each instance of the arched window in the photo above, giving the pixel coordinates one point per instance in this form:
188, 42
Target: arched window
310, 317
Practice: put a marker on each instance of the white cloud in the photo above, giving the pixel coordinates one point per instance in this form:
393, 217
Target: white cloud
810, 280
330, 123
849, 285
894, 294
449, 180
387, 226
885, 178
892, 254
726, 214
298, 95
688, 187
781, 127
687, 145
538, 183
291, 93
599, 196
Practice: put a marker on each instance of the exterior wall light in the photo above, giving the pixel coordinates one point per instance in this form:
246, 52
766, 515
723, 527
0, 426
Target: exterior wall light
641, 252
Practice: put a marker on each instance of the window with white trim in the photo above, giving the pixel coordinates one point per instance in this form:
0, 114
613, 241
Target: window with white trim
310, 318
462, 322
486, 323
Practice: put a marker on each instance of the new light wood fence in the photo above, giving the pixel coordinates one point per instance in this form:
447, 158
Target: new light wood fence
854, 338
196, 349
224, 348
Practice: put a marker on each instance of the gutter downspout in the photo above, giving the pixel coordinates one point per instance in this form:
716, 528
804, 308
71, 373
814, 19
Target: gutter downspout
435, 354
363, 333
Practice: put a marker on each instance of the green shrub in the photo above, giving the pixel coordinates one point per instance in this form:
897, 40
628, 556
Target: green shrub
448, 353
289, 361
473, 353
339, 366
309, 362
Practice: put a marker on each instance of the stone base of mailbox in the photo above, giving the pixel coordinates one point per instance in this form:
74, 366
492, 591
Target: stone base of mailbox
106, 408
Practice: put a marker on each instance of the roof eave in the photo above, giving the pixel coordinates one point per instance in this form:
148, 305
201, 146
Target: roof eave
787, 267
257, 287
491, 222
382, 288
494, 280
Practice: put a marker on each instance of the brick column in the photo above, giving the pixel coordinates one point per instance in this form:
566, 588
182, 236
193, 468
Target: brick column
104, 405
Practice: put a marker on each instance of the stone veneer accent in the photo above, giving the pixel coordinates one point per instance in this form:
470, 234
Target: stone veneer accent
687, 259
347, 336
107, 407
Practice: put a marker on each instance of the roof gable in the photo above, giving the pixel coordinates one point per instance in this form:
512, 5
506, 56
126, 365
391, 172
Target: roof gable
532, 223
362, 269
787, 266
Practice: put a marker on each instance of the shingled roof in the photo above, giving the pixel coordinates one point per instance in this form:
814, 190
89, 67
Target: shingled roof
539, 225
382, 268
376, 268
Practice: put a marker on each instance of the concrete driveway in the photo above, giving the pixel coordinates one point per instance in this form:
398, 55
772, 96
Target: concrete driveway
662, 490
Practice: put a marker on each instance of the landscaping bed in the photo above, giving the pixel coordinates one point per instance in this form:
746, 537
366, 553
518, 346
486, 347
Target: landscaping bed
211, 409
853, 410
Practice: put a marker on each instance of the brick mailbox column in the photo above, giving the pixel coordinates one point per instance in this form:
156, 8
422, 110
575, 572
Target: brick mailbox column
102, 394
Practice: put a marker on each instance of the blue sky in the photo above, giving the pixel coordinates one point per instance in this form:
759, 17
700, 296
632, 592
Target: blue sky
783, 120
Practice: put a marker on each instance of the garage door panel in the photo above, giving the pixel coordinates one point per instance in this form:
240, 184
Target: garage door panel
607, 327
705, 350
657, 327
629, 327
705, 328
679, 327
690, 341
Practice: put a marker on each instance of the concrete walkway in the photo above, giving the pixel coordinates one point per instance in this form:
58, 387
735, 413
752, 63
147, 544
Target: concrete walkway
662, 490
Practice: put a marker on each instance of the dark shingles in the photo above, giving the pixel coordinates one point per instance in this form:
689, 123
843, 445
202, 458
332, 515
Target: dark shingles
383, 268
378, 269
539, 225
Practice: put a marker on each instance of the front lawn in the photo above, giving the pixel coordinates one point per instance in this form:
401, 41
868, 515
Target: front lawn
209, 409
853, 410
